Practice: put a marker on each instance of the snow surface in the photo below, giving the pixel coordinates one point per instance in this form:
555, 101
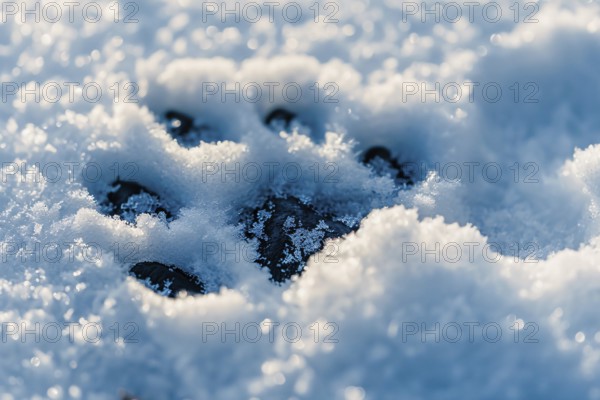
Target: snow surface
372, 292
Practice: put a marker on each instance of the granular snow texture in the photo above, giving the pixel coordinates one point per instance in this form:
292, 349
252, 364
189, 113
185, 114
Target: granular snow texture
479, 280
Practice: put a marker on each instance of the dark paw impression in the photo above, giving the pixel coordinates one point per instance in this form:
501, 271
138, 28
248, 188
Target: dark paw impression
167, 280
186, 130
279, 119
382, 162
289, 232
130, 199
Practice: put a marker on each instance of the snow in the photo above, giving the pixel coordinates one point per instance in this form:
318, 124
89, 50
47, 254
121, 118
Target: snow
528, 239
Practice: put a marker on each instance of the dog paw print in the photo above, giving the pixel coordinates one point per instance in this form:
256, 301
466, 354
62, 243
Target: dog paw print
286, 229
